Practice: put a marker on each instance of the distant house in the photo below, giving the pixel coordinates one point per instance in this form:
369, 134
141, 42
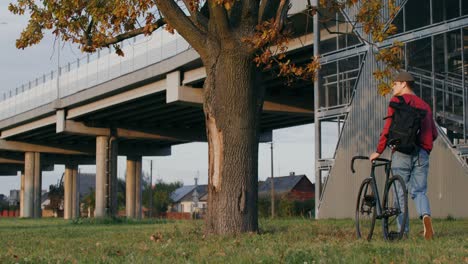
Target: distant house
292, 187
183, 198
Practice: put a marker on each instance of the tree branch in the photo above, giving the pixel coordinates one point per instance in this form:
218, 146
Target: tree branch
88, 45
281, 14
267, 10
219, 19
250, 13
177, 19
197, 18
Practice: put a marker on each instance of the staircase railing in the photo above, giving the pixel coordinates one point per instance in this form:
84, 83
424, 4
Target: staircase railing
446, 94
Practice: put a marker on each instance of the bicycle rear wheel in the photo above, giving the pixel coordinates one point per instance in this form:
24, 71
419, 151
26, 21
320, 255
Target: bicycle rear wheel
395, 213
366, 210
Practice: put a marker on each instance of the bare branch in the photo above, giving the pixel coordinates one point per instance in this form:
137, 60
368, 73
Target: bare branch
197, 18
267, 10
177, 19
88, 45
281, 14
250, 13
87, 33
235, 14
219, 20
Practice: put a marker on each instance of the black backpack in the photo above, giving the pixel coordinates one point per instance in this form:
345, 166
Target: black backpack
405, 126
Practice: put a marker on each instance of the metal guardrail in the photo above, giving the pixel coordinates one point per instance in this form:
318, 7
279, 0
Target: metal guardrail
90, 71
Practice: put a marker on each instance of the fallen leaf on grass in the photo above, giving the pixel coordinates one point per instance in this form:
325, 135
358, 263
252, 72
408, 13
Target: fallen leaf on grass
156, 238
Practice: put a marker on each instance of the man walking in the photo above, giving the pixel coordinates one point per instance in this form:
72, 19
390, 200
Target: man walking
412, 165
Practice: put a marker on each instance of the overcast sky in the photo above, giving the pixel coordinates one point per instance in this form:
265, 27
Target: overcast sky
293, 148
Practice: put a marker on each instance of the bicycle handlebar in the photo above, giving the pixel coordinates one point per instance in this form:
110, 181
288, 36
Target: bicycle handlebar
366, 158
355, 158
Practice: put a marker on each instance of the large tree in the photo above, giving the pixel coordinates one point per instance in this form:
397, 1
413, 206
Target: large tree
230, 36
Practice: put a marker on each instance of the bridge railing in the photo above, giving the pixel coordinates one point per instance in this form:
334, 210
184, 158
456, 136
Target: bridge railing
90, 71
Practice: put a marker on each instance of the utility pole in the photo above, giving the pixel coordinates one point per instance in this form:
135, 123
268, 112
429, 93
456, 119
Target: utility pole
195, 196
151, 190
318, 130
272, 184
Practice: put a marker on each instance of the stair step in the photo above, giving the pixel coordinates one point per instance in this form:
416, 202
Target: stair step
450, 116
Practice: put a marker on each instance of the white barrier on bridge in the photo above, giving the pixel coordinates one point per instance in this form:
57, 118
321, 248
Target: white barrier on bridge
90, 71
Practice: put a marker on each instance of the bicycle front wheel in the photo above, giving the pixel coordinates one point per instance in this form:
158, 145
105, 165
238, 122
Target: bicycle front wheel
365, 210
395, 213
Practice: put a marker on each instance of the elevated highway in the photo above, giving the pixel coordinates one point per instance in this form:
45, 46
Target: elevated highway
95, 109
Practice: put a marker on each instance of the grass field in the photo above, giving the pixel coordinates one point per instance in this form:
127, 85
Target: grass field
280, 241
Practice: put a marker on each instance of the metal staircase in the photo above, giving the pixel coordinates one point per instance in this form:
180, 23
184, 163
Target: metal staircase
447, 95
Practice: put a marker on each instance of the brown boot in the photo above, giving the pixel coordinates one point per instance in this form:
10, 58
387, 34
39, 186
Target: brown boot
428, 230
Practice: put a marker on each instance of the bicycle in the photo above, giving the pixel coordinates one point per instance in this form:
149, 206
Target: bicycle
369, 208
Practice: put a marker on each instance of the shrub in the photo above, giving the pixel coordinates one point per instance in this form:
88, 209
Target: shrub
286, 208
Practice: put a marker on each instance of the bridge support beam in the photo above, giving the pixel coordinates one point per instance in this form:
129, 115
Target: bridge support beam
133, 187
106, 176
71, 200
32, 185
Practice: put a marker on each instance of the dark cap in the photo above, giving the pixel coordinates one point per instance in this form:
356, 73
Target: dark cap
404, 77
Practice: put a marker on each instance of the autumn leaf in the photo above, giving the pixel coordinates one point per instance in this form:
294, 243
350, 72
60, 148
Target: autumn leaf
156, 237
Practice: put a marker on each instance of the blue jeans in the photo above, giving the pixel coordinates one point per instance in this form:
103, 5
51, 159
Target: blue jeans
414, 169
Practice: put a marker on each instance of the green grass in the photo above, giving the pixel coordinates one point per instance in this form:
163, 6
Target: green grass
280, 241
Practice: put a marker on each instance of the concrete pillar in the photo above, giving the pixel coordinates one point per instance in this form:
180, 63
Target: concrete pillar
101, 176
37, 185
130, 188
28, 202
133, 187
70, 192
138, 191
67, 190
75, 193
22, 195
106, 176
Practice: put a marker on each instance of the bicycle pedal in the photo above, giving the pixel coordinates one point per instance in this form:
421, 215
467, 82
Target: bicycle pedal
391, 212
369, 200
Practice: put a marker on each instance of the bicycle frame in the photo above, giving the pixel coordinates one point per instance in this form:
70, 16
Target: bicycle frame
383, 162
388, 210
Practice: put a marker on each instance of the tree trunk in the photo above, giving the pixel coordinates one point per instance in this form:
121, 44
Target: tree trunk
232, 106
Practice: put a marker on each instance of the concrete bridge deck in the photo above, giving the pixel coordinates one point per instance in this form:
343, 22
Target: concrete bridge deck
135, 106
